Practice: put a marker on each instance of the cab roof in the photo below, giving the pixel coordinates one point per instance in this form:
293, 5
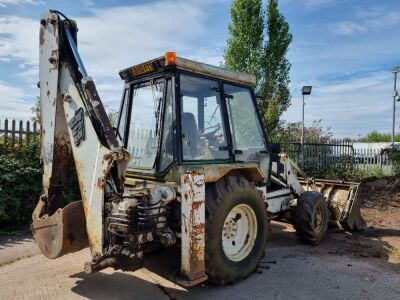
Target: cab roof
170, 61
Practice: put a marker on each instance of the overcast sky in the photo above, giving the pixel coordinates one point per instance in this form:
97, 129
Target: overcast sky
345, 49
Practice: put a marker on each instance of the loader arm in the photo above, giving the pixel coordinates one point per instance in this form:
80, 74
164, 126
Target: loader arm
75, 127
342, 196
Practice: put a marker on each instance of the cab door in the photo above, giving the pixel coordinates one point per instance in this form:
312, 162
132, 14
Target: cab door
248, 141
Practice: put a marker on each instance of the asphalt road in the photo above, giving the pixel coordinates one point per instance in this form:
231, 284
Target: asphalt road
289, 270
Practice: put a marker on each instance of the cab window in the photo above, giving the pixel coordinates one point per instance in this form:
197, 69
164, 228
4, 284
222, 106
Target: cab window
122, 115
167, 144
203, 134
247, 137
144, 123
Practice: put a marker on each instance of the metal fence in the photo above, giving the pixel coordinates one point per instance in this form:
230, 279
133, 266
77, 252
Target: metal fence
145, 139
319, 155
15, 132
368, 159
335, 153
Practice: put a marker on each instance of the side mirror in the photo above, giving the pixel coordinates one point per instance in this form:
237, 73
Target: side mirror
275, 148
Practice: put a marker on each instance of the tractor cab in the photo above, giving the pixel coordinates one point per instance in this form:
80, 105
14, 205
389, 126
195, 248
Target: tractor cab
175, 111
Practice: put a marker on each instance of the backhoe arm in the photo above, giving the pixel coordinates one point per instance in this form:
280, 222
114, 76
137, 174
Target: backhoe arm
74, 127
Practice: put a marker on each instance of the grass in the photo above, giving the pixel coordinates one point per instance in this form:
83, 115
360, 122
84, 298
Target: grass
394, 251
14, 259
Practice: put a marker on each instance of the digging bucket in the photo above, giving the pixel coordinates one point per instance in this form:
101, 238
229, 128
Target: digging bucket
343, 199
61, 233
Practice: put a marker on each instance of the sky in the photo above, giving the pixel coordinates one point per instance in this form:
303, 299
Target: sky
345, 49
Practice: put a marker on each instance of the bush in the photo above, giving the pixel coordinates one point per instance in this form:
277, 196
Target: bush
344, 173
20, 182
393, 153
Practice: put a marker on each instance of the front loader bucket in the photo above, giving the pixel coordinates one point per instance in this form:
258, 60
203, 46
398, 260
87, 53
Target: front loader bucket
61, 233
343, 201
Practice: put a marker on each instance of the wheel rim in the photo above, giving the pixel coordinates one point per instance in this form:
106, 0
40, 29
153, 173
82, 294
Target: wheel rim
318, 218
239, 232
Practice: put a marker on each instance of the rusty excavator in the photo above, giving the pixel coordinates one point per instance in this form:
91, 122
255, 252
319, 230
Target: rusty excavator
188, 165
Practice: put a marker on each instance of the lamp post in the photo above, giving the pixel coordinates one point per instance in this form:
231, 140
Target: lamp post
395, 70
306, 90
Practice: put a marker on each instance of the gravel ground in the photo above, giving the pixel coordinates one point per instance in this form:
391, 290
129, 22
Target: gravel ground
289, 270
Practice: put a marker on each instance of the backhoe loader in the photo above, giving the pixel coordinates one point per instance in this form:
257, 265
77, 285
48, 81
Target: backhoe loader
188, 165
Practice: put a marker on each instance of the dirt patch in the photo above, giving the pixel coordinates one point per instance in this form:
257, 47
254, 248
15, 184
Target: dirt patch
380, 208
381, 203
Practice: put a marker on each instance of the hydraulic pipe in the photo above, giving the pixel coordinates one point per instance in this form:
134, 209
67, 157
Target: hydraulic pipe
75, 52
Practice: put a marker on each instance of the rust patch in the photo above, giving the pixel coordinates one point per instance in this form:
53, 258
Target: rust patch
54, 54
197, 205
197, 263
59, 177
41, 36
53, 22
193, 226
101, 182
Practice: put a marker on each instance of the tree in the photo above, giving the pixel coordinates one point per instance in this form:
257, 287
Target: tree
275, 66
289, 132
378, 137
245, 43
36, 113
112, 114
265, 57
35, 109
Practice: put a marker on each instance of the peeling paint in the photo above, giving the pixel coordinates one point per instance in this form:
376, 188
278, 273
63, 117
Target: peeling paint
192, 190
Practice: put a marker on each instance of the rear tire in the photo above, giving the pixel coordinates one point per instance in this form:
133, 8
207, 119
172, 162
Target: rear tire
311, 217
236, 219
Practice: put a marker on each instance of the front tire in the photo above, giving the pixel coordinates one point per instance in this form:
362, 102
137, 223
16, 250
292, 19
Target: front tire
235, 229
311, 217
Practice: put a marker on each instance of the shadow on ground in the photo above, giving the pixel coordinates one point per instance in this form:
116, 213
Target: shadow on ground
12, 241
375, 245
161, 268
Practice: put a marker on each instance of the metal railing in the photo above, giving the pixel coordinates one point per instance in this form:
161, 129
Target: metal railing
319, 155
13, 132
336, 153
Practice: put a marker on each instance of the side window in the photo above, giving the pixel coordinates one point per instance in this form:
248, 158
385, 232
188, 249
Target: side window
203, 135
167, 144
121, 126
247, 137
144, 123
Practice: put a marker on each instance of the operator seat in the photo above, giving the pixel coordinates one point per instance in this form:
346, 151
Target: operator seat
190, 137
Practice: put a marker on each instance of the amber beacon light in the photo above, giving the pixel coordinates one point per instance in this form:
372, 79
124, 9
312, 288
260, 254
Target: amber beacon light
170, 58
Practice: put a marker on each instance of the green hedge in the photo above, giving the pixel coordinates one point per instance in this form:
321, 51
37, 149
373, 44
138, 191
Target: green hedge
20, 182
394, 156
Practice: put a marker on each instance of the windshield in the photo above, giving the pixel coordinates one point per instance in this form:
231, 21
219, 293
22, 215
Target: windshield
145, 123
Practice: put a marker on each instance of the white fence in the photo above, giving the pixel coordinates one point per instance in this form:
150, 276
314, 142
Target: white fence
341, 154
369, 159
